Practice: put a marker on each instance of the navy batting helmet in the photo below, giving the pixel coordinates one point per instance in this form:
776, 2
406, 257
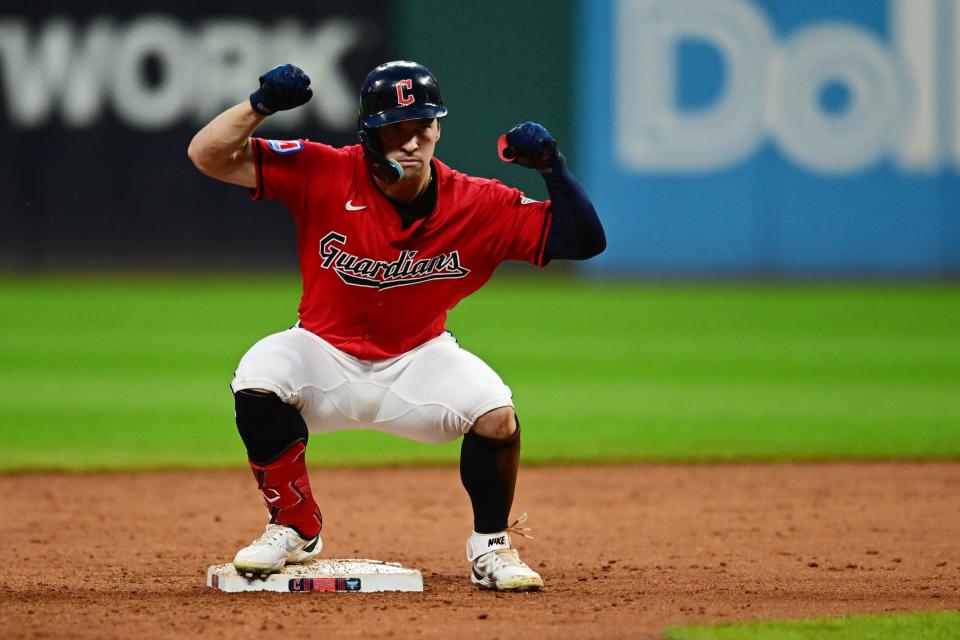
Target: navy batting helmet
394, 92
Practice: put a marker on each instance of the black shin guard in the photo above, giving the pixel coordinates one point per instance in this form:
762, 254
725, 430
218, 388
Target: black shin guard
267, 425
488, 470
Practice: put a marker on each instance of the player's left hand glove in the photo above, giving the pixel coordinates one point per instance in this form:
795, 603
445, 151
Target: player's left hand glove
282, 88
529, 145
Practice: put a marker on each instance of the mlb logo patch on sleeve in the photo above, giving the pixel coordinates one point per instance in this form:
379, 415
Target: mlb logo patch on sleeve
285, 146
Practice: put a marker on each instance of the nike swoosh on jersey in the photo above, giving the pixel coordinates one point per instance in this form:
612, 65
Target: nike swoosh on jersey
353, 207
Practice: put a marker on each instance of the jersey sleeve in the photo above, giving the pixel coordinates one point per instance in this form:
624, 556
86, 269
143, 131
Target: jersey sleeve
519, 225
286, 169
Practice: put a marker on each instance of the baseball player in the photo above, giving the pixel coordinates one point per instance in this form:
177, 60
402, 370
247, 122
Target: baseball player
389, 240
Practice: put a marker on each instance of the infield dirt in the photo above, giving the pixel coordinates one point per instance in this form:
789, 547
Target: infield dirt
624, 550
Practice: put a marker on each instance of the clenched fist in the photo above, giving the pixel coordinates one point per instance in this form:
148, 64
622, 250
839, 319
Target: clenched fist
282, 88
529, 145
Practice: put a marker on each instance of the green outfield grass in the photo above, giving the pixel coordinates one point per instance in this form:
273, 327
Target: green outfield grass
133, 372
941, 625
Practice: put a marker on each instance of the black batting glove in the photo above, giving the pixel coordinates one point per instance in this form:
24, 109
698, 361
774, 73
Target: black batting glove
282, 88
530, 145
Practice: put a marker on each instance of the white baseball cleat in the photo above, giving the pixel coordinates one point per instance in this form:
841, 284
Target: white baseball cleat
503, 570
278, 546
495, 564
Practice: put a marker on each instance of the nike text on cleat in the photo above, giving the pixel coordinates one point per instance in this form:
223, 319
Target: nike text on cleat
278, 546
354, 207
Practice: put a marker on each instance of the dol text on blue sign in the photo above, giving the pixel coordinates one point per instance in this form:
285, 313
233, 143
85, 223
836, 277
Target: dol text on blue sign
761, 136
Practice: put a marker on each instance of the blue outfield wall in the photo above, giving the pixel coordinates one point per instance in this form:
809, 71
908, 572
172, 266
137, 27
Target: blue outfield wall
769, 137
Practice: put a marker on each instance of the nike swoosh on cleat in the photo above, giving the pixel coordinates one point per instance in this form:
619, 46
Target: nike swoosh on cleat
353, 207
475, 574
312, 545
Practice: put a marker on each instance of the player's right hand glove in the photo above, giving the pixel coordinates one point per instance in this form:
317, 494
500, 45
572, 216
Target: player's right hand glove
281, 88
529, 145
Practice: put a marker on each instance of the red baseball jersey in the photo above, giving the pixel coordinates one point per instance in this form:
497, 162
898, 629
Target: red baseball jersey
371, 288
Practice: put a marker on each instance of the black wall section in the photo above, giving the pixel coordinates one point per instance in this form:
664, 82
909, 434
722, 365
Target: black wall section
99, 103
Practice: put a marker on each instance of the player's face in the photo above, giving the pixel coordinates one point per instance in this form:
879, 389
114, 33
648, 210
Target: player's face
411, 144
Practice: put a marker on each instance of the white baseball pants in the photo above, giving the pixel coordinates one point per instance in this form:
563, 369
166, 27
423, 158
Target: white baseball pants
433, 393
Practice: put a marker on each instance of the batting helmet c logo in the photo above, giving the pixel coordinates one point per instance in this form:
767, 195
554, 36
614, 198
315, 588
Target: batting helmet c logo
403, 99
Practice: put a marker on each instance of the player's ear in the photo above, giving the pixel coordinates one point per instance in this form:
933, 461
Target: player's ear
438, 128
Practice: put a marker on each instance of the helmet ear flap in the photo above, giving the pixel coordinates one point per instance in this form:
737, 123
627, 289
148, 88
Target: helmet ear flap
378, 164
